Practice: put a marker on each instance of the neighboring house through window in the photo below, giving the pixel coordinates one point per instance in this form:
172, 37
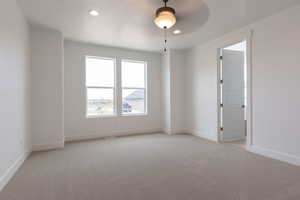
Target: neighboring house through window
134, 87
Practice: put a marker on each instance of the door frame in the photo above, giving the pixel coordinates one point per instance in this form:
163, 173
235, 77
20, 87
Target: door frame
248, 38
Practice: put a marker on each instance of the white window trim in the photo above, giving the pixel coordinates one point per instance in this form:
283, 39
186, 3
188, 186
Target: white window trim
99, 87
145, 88
117, 94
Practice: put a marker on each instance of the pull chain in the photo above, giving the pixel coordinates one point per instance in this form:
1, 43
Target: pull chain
165, 37
165, 1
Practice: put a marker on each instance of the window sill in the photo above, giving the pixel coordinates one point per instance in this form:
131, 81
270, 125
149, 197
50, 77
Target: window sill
115, 116
100, 116
135, 115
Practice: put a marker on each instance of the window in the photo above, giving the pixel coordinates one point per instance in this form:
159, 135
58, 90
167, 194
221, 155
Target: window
100, 86
134, 83
103, 94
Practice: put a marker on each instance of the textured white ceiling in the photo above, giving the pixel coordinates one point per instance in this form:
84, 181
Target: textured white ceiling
129, 23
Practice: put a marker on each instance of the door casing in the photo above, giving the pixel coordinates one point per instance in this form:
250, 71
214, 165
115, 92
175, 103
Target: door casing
248, 38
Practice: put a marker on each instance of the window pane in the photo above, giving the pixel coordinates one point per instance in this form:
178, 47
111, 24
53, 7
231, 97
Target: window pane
100, 102
133, 74
133, 101
100, 72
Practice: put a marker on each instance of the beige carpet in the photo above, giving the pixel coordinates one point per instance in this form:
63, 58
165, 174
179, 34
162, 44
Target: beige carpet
152, 167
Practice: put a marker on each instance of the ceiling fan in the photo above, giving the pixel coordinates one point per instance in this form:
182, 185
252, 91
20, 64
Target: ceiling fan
165, 19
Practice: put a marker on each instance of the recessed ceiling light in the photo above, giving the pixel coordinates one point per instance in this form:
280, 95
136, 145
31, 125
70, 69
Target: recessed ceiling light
177, 31
93, 13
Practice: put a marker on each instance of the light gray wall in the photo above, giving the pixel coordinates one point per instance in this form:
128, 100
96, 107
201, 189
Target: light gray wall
47, 88
173, 91
178, 97
276, 70
77, 126
14, 87
201, 92
166, 92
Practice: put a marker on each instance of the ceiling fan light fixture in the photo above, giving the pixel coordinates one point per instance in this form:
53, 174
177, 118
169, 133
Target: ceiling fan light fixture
165, 17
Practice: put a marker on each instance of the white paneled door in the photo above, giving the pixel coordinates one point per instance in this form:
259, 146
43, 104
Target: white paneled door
233, 121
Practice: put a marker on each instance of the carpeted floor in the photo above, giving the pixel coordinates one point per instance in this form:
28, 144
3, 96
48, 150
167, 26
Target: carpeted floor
152, 167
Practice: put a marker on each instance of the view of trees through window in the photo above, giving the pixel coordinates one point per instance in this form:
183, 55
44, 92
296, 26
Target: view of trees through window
101, 92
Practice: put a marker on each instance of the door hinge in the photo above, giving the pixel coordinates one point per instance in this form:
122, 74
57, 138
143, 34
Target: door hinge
221, 57
221, 81
221, 129
221, 105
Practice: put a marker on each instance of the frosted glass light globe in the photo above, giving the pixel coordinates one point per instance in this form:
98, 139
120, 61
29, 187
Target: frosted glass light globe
165, 19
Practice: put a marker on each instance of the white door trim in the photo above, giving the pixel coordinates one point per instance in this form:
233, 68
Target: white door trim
248, 38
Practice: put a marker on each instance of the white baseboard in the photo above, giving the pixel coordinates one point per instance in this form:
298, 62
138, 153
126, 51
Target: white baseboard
183, 132
203, 135
167, 131
179, 132
175, 132
115, 134
4, 179
46, 147
294, 160
234, 139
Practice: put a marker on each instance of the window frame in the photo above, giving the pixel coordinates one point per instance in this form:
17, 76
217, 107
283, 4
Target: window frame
145, 88
114, 88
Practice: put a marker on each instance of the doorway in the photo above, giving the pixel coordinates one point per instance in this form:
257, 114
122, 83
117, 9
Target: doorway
233, 93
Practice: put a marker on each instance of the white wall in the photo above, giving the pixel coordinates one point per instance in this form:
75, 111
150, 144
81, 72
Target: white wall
178, 106
201, 92
14, 89
166, 92
77, 126
47, 88
173, 91
276, 81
